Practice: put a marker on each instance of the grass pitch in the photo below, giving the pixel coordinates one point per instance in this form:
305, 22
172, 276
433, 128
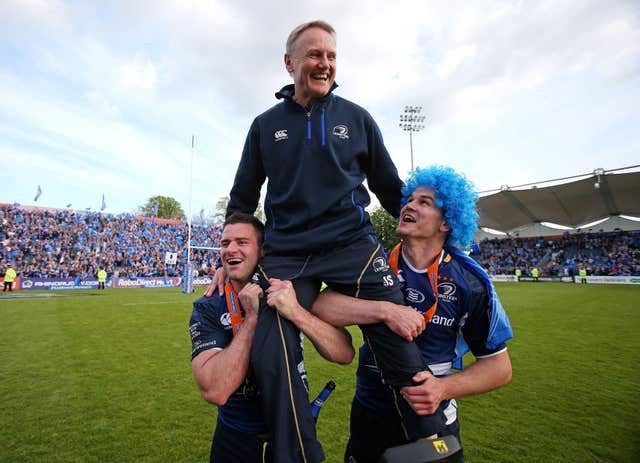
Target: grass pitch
108, 378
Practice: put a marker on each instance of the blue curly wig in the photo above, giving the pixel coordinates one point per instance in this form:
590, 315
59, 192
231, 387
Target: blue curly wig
455, 197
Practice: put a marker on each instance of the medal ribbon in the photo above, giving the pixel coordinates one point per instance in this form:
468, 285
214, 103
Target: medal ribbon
432, 277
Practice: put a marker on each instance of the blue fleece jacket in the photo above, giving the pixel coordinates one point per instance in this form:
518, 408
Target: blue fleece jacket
316, 160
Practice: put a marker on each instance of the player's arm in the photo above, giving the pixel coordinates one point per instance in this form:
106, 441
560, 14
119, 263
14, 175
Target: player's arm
483, 375
250, 176
382, 174
219, 373
332, 343
340, 310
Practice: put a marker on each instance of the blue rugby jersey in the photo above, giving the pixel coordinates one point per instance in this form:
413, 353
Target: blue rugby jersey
210, 328
462, 311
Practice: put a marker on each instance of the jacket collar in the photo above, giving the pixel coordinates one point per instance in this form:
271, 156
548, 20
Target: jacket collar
288, 91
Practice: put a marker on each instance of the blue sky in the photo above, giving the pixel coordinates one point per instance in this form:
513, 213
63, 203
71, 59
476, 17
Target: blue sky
103, 97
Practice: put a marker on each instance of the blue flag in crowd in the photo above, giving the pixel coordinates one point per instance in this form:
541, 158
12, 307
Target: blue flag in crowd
155, 208
202, 215
69, 205
104, 205
38, 193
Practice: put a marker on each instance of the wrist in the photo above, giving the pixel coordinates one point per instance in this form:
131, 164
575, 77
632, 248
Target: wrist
383, 312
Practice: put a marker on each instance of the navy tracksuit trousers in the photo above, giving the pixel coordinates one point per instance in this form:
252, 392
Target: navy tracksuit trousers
359, 269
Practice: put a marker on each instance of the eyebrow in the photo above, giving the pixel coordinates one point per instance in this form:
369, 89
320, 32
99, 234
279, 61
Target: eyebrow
424, 196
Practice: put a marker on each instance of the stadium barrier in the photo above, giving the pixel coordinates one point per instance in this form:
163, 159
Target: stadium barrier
16, 283
608, 280
56, 284
615, 280
511, 278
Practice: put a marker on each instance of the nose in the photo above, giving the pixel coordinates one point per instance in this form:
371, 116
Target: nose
324, 61
232, 247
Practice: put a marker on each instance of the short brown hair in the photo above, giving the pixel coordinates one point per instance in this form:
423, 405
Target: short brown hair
241, 217
293, 36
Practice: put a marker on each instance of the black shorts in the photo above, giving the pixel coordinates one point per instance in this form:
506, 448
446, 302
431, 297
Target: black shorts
359, 269
231, 446
371, 434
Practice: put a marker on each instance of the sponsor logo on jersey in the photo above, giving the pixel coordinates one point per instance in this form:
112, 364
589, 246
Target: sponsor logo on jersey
446, 291
193, 330
280, 135
341, 131
414, 296
442, 321
380, 265
225, 320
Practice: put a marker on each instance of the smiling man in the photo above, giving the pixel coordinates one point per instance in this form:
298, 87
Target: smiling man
223, 330
316, 149
457, 301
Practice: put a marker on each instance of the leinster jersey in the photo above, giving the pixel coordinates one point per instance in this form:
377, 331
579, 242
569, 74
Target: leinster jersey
210, 328
461, 310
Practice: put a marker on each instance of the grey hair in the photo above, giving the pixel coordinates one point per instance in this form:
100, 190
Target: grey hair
293, 36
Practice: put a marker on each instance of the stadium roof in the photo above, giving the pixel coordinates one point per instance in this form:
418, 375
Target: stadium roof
600, 195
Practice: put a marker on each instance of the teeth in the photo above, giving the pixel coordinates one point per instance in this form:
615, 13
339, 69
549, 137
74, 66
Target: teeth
233, 261
408, 218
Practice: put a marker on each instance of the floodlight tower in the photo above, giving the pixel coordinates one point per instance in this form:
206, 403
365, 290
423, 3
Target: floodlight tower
411, 121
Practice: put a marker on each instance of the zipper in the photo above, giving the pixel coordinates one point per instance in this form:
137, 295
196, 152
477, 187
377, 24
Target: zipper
322, 124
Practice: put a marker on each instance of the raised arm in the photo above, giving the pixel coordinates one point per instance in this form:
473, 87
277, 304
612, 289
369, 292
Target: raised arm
332, 343
340, 310
219, 373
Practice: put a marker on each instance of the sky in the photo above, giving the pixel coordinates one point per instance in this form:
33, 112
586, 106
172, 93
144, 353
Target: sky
103, 98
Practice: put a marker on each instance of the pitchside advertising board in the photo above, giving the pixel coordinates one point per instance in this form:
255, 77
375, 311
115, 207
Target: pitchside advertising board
54, 284
590, 279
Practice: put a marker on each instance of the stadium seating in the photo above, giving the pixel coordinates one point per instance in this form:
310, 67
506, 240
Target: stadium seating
603, 253
67, 244
53, 243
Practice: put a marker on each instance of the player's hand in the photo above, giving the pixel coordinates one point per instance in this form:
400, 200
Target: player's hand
404, 321
425, 397
282, 297
250, 299
217, 281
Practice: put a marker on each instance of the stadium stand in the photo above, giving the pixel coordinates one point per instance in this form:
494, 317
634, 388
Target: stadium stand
61, 243
55, 243
603, 253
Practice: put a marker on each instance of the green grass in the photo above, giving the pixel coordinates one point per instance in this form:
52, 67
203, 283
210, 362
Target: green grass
108, 378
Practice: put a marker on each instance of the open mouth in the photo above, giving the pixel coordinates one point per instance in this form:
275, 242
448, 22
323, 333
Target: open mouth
234, 261
408, 218
323, 77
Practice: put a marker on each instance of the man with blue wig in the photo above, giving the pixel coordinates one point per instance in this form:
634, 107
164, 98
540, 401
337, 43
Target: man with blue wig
438, 216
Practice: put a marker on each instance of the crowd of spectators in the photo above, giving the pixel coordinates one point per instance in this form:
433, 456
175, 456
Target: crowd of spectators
67, 244
602, 253
44, 243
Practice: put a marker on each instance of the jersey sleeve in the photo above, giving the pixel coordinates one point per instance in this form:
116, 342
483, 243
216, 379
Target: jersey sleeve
382, 175
250, 175
207, 325
476, 327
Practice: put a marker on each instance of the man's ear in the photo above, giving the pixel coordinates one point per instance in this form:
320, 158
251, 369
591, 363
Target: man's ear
445, 227
261, 251
288, 63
